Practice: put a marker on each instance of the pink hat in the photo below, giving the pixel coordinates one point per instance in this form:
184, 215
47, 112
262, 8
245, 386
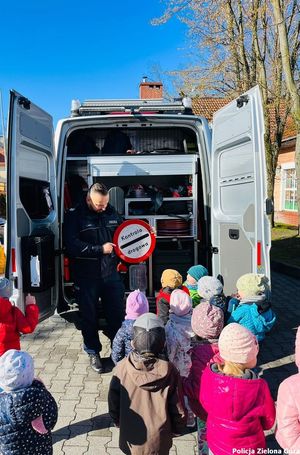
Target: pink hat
207, 321
180, 302
136, 305
297, 348
237, 344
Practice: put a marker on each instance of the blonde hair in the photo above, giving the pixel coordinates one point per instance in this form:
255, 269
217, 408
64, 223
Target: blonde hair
232, 369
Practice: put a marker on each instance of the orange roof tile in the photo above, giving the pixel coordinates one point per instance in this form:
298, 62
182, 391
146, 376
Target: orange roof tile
207, 106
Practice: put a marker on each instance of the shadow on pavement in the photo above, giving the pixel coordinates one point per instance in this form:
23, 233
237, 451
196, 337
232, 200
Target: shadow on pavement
72, 430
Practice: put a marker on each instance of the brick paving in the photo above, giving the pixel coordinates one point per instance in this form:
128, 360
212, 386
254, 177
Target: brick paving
84, 426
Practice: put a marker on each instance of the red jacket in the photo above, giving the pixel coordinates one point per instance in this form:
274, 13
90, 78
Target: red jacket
163, 302
13, 322
239, 410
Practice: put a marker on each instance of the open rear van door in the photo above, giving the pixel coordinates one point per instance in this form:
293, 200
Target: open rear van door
32, 226
240, 226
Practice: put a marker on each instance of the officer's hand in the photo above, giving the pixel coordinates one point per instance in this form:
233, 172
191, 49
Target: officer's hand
108, 248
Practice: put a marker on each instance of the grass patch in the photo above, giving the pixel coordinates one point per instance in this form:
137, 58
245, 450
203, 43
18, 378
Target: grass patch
285, 245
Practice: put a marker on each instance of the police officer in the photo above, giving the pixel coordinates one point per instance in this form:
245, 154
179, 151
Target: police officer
88, 234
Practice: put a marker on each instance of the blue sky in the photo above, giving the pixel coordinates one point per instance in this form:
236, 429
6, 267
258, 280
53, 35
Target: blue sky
53, 51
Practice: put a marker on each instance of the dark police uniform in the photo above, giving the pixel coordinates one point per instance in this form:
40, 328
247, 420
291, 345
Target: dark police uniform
95, 273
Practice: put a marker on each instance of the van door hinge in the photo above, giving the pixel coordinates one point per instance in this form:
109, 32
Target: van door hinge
243, 99
214, 250
22, 101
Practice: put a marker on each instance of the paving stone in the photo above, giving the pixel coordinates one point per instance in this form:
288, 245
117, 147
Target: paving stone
72, 450
87, 401
79, 440
67, 408
58, 447
184, 447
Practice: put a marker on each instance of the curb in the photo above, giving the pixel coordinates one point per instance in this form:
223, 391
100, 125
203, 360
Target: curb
286, 269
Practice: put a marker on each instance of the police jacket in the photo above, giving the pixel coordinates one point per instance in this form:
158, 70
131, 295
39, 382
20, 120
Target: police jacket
85, 231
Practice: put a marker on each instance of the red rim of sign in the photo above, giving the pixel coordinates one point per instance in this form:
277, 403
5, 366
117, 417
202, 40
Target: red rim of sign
118, 250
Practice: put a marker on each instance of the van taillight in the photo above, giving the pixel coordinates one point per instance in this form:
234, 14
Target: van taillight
66, 269
258, 250
13, 260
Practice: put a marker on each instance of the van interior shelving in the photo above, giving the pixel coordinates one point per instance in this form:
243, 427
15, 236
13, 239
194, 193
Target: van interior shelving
160, 182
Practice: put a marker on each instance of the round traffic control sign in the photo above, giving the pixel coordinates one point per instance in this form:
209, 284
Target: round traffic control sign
134, 241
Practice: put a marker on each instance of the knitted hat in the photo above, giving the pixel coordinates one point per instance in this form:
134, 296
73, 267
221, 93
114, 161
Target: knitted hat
237, 344
171, 278
180, 302
5, 290
16, 370
252, 284
208, 286
149, 334
197, 272
136, 304
207, 321
297, 348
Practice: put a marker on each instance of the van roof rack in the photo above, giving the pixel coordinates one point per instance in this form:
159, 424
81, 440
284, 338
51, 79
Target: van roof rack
130, 106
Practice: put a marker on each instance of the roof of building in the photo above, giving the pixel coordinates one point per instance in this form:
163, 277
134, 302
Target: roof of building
207, 106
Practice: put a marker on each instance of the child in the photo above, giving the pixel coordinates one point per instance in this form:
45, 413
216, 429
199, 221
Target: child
170, 280
178, 337
207, 324
254, 307
13, 322
211, 290
239, 405
179, 331
136, 305
193, 276
288, 408
144, 397
28, 412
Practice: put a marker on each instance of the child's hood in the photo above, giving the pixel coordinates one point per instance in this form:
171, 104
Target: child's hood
297, 350
150, 374
267, 318
181, 324
5, 307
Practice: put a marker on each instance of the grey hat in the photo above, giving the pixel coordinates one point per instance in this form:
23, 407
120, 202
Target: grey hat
148, 321
209, 286
149, 334
5, 290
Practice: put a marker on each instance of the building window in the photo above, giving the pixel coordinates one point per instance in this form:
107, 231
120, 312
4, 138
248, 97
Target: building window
289, 190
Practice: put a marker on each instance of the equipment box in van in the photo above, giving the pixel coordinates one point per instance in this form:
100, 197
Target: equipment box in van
203, 189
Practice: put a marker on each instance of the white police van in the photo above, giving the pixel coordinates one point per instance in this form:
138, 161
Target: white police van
203, 189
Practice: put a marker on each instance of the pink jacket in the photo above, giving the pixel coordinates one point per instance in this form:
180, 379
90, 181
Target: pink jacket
201, 354
288, 407
238, 411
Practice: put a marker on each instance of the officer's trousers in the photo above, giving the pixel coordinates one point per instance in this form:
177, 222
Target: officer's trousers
111, 291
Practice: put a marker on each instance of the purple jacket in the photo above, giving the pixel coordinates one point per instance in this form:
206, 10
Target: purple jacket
239, 410
201, 354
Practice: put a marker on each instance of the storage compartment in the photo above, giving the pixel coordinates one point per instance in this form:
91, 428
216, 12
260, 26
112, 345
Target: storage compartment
38, 262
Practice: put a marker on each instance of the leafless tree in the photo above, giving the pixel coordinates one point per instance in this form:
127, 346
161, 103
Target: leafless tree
289, 49
236, 46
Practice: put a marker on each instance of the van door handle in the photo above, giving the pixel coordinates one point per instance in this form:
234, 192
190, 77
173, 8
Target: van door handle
234, 234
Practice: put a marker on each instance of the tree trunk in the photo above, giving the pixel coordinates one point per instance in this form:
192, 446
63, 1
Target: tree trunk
291, 86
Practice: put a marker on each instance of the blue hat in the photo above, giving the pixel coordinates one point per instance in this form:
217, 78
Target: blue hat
197, 272
5, 290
